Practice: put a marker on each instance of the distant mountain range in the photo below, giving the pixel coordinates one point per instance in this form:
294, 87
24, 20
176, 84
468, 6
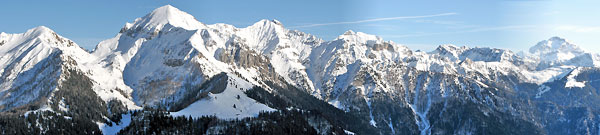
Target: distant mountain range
266, 79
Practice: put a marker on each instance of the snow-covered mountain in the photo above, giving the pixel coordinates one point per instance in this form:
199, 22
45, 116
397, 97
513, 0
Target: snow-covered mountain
556, 49
36, 63
32, 64
559, 51
168, 60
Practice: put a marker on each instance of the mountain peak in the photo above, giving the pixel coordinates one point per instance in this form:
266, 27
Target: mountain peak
556, 49
167, 15
557, 38
359, 37
41, 38
276, 21
267, 23
37, 31
48, 35
349, 32
42, 32
448, 47
555, 44
166, 7
41, 29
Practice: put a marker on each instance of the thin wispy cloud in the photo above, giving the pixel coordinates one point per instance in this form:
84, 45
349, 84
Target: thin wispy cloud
437, 22
498, 28
480, 29
375, 20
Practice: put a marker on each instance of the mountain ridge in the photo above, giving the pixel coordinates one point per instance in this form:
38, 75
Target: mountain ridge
168, 60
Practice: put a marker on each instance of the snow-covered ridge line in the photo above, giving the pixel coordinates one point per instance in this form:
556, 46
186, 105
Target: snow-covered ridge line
298, 57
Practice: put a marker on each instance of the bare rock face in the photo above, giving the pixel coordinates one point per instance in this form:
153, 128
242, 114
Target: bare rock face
383, 46
238, 55
173, 62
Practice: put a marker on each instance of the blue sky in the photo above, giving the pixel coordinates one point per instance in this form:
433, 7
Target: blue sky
420, 25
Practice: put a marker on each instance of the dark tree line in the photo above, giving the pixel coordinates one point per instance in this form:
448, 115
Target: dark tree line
154, 121
83, 109
285, 122
46, 123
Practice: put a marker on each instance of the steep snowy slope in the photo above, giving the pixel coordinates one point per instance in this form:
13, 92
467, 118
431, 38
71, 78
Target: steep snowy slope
36, 63
31, 65
173, 41
286, 49
558, 51
165, 39
43, 72
335, 64
230, 103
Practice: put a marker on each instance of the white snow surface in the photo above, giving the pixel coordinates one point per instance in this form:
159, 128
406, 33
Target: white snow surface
167, 15
221, 104
349, 132
541, 90
572, 82
116, 127
556, 49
